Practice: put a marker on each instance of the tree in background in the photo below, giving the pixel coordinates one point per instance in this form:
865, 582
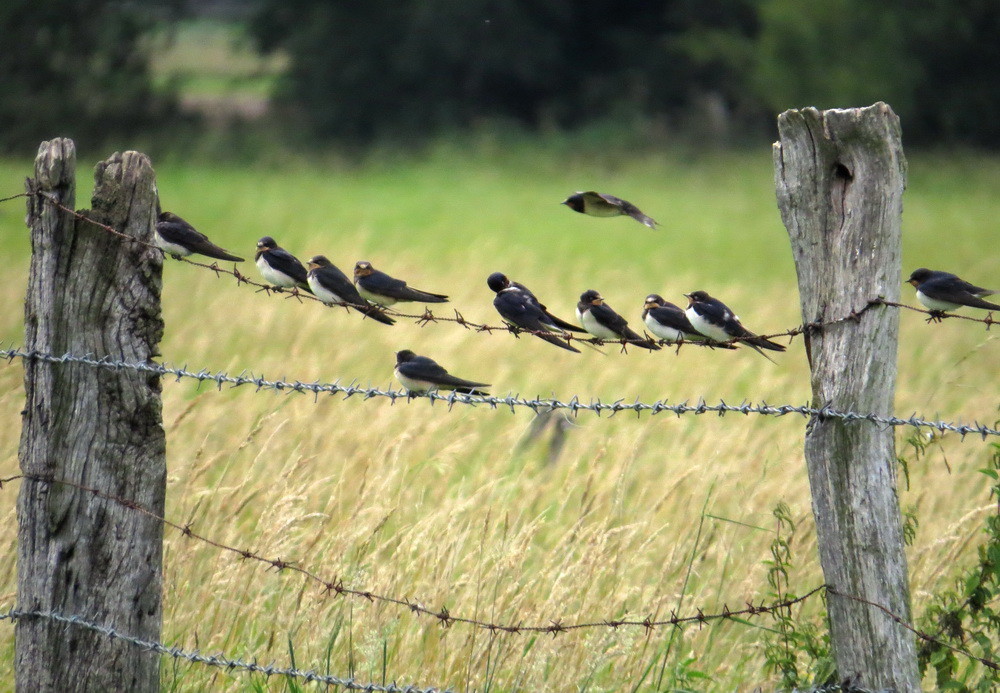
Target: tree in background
75, 68
364, 68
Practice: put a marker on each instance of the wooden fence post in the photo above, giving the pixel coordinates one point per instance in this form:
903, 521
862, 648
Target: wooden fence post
90, 292
840, 176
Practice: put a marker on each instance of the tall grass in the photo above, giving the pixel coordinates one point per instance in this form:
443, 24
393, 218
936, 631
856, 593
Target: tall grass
637, 517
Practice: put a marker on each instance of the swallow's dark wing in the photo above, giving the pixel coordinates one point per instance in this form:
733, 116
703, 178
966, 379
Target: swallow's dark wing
179, 232
335, 281
951, 289
675, 318
731, 324
607, 316
519, 310
286, 263
558, 322
427, 370
628, 208
382, 284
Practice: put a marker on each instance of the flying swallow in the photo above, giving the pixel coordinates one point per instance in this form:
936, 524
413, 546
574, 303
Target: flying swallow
498, 281
332, 286
421, 374
601, 205
179, 239
713, 319
668, 321
378, 287
520, 308
279, 266
941, 291
603, 322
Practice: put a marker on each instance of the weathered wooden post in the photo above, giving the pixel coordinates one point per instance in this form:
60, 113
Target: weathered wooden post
840, 176
90, 292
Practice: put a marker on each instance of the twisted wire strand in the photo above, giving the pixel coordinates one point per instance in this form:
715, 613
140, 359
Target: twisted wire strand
220, 660
512, 401
444, 616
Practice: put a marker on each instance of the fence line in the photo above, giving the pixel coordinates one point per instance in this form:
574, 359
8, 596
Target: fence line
444, 617
428, 316
574, 405
555, 627
220, 660
230, 663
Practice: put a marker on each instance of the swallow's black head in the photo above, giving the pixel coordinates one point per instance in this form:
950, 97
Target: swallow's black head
363, 268
574, 202
697, 296
267, 243
919, 276
653, 301
497, 281
591, 296
167, 216
404, 356
318, 261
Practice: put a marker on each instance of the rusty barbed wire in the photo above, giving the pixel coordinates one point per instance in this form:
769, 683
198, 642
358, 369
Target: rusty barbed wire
512, 401
989, 663
444, 616
427, 317
446, 619
221, 660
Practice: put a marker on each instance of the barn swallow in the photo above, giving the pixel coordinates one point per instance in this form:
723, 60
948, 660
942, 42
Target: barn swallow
668, 321
179, 239
332, 286
379, 287
279, 266
941, 291
421, 374
520, 308
601, 205
603, 322
498, 281
713, 319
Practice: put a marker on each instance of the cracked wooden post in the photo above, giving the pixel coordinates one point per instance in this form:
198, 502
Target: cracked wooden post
90, 293
840, 176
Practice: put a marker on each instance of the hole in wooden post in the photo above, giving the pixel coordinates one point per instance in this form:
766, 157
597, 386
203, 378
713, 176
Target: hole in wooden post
842, 172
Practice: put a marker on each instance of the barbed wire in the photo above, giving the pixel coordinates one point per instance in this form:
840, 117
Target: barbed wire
512, 402
220, 660
555, 627
920, 634
230, 663
427, 317
444, 616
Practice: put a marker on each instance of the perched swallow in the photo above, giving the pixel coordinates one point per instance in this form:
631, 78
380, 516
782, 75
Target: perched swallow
600, 205
941, 291
713, 319
498, 281
379, 287
603, 322
668, 321
421, 374
520, 308
179, 239
332, 286
279, 266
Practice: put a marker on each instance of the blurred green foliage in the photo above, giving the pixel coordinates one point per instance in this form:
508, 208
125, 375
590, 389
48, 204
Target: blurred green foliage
75, 68
357, 71
364, 68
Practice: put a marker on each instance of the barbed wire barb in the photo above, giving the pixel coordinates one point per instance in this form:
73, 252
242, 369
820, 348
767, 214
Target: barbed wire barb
221, 660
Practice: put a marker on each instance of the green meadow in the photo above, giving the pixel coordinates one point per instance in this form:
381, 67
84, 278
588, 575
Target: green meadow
640, 516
